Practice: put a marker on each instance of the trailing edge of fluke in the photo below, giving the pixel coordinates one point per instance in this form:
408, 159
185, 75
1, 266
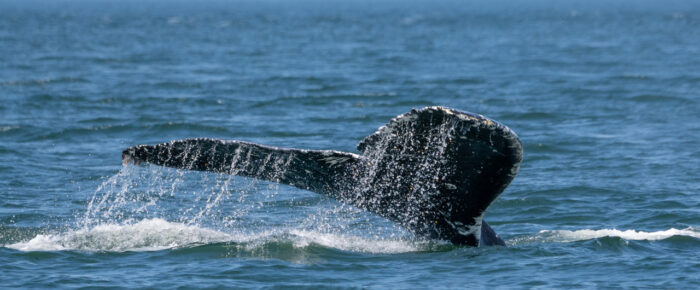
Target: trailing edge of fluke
434, 170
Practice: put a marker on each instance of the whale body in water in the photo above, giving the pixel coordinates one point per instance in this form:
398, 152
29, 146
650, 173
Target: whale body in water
434, 170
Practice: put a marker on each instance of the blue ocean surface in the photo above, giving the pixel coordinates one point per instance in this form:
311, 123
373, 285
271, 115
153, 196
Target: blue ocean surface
605, 96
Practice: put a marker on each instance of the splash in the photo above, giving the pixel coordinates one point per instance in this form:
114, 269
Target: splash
150, 208
158, 234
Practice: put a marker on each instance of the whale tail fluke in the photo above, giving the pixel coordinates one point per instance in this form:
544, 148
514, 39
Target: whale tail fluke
434, 170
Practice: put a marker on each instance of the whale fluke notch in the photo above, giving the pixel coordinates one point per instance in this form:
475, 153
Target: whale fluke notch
433, 170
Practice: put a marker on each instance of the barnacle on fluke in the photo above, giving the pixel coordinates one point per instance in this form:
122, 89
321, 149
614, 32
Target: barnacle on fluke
433, 170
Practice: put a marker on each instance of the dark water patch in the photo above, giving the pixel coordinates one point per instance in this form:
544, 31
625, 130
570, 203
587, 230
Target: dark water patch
197, 129
658, 99
45, 82
72, 133
680, 243
39, 100
322, 100
458, 81
548, 151
539, 116
11, 205
177, 85
9, 150
546, 62
139, 101
395, 60
344, 119
562, 217
521, 202
52, 58
40, 255
147, 57
632, 77
101, 120
405, 104
651, 215
567, 191
305, 79
685, 79
666, 204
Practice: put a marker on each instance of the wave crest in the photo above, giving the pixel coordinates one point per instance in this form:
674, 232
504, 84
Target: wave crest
587, 234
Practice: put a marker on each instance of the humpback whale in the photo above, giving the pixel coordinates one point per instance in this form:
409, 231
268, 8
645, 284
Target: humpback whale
433, 170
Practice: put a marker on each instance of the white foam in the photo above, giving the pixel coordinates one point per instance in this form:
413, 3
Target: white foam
158, 234
146, 235
586, 234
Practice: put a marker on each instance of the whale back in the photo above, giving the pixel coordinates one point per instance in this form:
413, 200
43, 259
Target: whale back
436, 170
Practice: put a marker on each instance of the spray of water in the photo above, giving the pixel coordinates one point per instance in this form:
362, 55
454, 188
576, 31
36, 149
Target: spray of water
153, 208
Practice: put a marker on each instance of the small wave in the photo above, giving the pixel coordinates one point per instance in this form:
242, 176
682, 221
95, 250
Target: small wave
580, 235
158, 234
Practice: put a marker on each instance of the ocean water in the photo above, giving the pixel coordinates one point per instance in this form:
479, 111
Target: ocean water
604, 96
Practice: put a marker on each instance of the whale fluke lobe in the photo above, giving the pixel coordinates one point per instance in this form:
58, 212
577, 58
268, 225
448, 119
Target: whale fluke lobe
314, 170
433, 170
